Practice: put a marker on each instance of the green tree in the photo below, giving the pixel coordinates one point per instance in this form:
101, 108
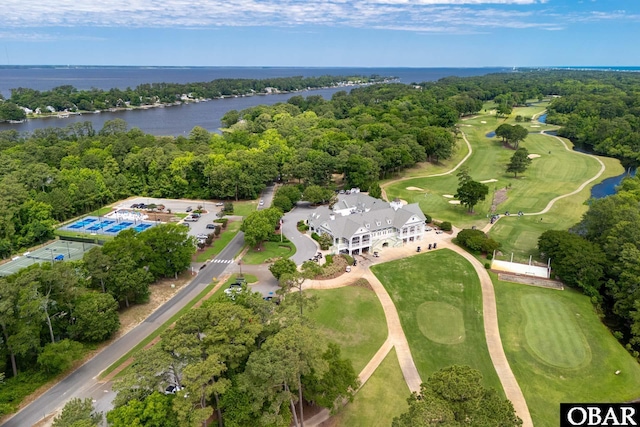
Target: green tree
519, 162
315, 194
338, 384
455, 396
96, 317
96, 263
470, 193
170, 249
78, 413
576, 261
282, 202
375, 191
281, 267
259, 225
58, 357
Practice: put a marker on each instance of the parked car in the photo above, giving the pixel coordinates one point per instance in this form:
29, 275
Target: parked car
348, 269
261, 202
211, 226
201, 236
233, 288
189, 209
219, 204
172, 389
376, 255
418, 249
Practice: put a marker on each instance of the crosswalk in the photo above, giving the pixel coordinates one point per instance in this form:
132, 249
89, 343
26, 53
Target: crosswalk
223, 261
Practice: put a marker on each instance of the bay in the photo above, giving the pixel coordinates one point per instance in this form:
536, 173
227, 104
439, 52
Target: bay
179, 120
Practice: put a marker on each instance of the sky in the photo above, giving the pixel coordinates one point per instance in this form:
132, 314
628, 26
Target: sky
321, 33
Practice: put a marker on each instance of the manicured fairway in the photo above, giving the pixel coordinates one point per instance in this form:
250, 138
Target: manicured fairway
557, 171
448, 283
560, 351
381, 399
520, 234
352, 317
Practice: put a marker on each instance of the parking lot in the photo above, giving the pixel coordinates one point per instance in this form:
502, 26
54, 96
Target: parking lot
181, 206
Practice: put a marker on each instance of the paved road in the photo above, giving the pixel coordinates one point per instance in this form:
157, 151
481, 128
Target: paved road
83, 382
305, 247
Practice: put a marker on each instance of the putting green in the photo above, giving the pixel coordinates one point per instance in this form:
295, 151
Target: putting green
440, 322
553, 334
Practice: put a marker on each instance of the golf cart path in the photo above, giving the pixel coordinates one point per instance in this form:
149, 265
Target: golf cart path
449, 172
395, 333
492, 335
555, 199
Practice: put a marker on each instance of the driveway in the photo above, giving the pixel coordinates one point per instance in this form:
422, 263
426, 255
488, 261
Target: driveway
306, 247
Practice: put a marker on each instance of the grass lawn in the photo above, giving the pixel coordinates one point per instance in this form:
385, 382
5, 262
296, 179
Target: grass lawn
244, 207
219, 244
269, 250
353, 318
101, 211
439, 300
560, 351
380, 400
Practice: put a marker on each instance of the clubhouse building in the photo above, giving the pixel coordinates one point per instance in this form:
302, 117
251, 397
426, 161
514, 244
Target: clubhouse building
359, 223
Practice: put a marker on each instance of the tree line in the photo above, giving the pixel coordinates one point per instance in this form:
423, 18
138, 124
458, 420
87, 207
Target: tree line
69, 98
600, 255
50, 314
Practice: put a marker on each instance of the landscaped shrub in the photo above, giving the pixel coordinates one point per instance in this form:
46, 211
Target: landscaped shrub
315, 236
445, 226
302, 227
222, 221
328, 260
428, 219
476, 241
487, 265
349, 258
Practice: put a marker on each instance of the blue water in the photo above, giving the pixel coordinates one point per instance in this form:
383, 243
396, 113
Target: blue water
180, 120
609, 185
543, 118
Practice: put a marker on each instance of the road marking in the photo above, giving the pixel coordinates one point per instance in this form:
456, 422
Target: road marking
223, 261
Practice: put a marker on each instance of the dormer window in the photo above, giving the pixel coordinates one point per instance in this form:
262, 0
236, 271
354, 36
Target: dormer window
388, 221
367, 225
378, 223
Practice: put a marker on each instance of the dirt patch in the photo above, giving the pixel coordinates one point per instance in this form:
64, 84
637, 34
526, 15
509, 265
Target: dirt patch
414, 189
530, 280
533, 156
454, 202
499, 197
362, 283
448, 196
489, 180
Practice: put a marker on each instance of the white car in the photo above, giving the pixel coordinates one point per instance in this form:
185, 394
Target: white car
261, 202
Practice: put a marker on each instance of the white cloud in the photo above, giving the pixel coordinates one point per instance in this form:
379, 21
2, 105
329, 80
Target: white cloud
442, 16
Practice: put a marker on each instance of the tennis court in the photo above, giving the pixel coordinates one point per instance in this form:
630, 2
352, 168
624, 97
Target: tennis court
106, 226
60, 250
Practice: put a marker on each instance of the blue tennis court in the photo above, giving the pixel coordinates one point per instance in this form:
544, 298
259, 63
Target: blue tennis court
107, 226
142, 227
100, 225
119, 227
82, 224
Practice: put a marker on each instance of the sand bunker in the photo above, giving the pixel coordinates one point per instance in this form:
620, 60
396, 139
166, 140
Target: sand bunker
489, 180
448, 196
483, 122
454, 202
414, 189
535, 126
533, 156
